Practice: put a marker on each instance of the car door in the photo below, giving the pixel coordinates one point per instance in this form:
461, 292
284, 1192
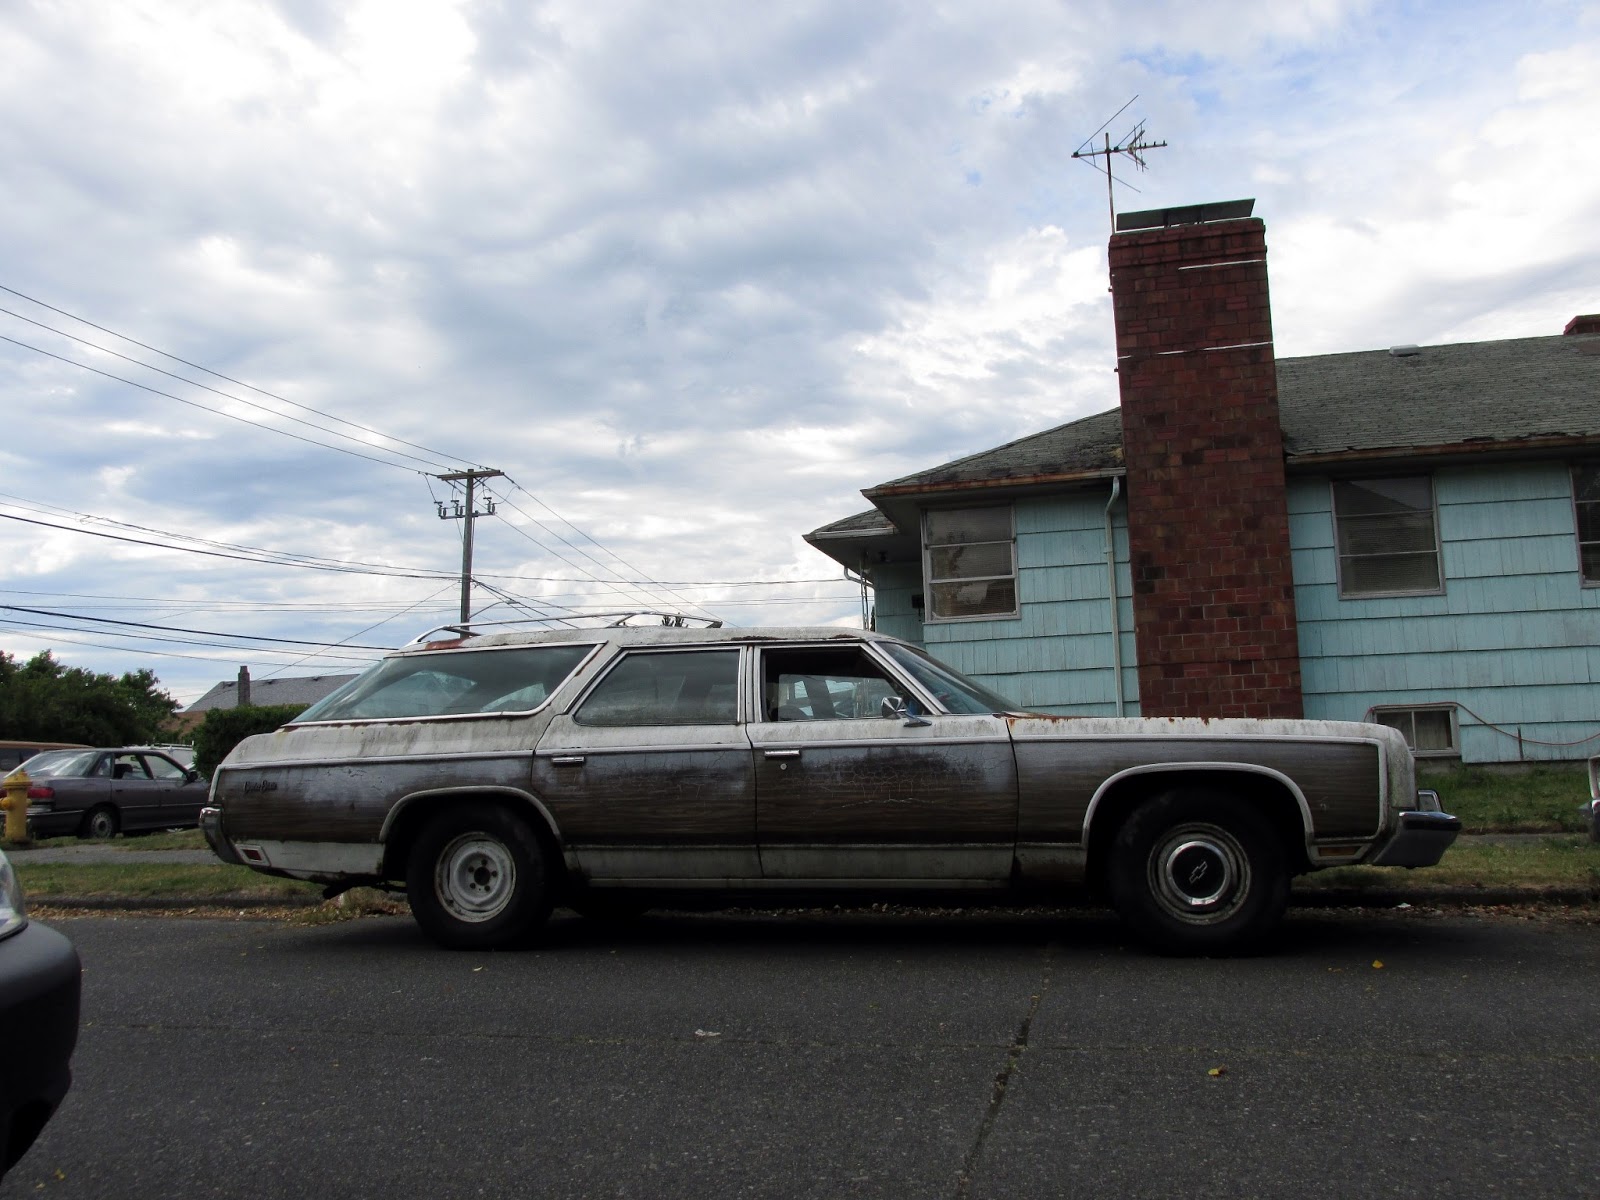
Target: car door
179, 797
136, 794
648, 775
844, 793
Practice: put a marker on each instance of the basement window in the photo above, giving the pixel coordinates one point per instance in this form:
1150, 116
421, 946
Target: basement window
1387, 536
971, 563
1429, 731
1586, 499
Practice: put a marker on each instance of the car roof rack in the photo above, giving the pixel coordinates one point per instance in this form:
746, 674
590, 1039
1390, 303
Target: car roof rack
593, 620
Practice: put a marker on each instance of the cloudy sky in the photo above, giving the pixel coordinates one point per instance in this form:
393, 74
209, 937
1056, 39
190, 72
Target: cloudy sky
690, 274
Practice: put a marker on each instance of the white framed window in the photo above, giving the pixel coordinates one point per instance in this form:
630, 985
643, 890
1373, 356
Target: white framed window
1586, 506
1387, 534
1430, 730
970, 558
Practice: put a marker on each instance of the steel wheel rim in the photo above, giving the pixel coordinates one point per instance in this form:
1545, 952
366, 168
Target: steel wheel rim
475, 877
101, 825
1199, 874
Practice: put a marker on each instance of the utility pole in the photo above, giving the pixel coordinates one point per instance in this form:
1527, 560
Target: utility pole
455, 510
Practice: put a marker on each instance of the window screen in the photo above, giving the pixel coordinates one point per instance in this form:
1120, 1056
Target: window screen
1387, 537
971, 563
1426, 730
1586, 497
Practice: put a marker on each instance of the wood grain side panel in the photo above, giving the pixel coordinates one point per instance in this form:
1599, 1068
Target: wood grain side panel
1058, 778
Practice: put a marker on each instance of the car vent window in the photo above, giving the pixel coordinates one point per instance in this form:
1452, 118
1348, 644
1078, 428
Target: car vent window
698, 687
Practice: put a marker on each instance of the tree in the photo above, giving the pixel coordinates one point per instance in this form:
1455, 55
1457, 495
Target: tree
40, 700
225, 728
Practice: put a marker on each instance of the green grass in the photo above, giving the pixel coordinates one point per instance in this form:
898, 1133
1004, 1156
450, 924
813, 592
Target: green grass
1561, 861
42, 881
177, 839
1539, 800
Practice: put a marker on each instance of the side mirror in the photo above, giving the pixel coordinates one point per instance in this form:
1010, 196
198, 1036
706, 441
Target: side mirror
896, 709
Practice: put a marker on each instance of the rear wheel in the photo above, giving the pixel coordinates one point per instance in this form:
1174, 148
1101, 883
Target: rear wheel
100, 823
477, 879
1199, 872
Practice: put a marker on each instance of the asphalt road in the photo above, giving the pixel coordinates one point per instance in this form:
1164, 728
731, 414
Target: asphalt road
970, 1055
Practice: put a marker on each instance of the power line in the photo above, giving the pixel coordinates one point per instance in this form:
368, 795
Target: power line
45, 612
204, 408
351, 570
176, 641
219, 375
226, 395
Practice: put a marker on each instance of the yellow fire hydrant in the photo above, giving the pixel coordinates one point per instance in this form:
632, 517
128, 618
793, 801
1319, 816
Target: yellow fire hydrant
16, 806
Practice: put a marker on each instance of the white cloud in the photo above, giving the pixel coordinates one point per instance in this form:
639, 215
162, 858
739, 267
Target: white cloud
693, 274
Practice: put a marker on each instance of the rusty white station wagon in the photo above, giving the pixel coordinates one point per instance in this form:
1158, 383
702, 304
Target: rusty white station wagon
494, 776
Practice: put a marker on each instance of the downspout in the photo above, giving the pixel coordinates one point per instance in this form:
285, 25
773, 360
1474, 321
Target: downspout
1111, 593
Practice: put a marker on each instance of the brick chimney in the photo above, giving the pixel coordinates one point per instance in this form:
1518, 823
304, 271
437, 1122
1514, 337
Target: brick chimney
243, 698
1585, 323
1208, 520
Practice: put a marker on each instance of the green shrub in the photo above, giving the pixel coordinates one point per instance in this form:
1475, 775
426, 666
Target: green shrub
225, 728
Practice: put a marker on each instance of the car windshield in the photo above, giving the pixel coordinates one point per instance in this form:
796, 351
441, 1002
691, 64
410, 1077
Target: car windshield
950, 688
452, 683
61, 764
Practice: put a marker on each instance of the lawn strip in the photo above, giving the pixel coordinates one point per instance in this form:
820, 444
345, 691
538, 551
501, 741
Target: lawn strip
1538, 800
1564, 861
41, 881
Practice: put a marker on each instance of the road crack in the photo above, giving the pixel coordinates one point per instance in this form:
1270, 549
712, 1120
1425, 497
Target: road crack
997, 1095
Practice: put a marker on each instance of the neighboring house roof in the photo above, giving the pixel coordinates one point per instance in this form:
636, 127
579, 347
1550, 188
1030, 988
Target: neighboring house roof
1522, 395
306, 689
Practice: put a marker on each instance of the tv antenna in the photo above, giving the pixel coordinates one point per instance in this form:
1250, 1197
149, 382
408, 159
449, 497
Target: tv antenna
1132, 144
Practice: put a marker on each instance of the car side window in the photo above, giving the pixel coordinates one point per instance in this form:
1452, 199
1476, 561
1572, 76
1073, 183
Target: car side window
694, 687
823, 684
129, 766
161, 768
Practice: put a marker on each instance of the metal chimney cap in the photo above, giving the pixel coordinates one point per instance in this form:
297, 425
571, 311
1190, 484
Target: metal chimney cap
1191, 214
1404, 351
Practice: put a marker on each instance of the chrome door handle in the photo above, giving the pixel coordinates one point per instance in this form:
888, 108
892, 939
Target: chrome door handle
781, 753
567, 760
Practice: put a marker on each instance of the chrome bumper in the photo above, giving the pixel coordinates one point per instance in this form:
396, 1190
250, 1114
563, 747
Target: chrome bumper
211, 826
1420, 841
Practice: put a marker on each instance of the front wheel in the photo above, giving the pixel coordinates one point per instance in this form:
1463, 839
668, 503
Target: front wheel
477, 879
1199, 872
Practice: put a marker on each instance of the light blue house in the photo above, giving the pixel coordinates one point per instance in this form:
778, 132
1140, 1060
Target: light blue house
1443, 508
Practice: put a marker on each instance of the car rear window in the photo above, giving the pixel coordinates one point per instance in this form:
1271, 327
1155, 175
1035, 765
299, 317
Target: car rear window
452, 683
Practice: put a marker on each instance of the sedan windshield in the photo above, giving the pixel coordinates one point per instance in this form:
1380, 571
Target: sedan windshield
452, 683
61, 764
950, 688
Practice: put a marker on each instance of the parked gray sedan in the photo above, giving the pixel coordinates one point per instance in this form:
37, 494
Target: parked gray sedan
97, 793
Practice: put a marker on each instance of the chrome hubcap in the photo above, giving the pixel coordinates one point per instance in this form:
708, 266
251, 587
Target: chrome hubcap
475, 877
1199, 873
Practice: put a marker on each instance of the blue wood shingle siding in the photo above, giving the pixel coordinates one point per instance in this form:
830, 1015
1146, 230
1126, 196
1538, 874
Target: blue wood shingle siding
1056, 657
1514, 640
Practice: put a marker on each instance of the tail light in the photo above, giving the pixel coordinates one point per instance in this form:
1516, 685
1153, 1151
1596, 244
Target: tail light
40, 791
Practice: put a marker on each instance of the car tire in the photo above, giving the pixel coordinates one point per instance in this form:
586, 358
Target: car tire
477, 878
100, 823
1199, 872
